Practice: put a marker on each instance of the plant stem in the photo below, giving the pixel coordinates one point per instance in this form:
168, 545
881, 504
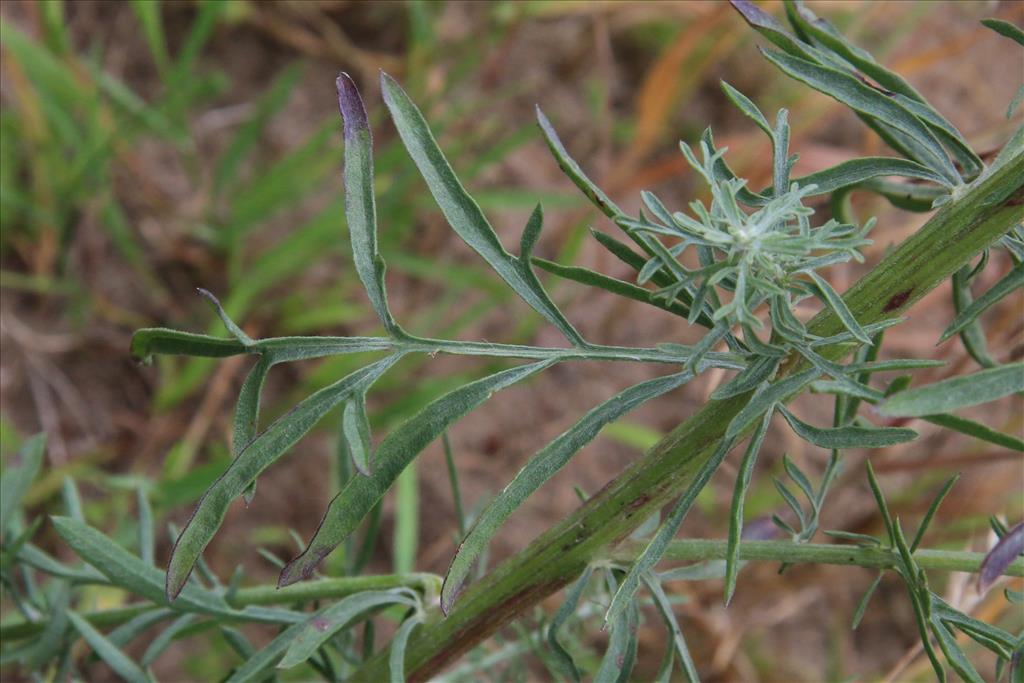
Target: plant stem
301, 348
321, 589
984, 212
816, 553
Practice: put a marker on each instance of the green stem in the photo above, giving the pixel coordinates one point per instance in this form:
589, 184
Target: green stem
329, 346
698, 550
321, 589
984, 212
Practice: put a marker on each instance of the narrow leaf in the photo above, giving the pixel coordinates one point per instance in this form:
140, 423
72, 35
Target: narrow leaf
976, 429
462, 212
677, 642
157, 340
932, 509
247, 411
615, 664
132, 574
1011, 282
856, 171
229, 324
147, 544
832, 299
257, 456
257, 666
956, 392
615, 286
862, 606
763, 400
355, 426
573, 170
656, 548
166, 637
562, 659
760, 370
397, 450
848, 437
328, 621
1005, 28
540, 468
396, 654
744, 104
108, 652
17, 479
743, 478
862, 98
360, 204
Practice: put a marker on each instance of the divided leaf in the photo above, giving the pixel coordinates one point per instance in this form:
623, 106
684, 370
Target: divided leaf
462, 212
397, 450
262, 452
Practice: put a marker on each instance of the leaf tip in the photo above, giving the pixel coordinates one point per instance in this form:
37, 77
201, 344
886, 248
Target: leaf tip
350, 103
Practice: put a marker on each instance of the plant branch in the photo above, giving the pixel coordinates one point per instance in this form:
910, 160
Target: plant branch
984, 211
321, 589
696, 550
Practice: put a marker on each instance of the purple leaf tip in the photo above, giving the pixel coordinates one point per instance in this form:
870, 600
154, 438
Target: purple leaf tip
353, 113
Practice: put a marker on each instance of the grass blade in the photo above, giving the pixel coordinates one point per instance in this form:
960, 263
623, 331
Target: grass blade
397, 450
540, 468
847, 437
257, 456
462, 212
360, 204
956, 392
108, 652
327, 622
739, 495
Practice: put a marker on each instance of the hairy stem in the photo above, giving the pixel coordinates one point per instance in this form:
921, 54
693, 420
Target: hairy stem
985, 211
